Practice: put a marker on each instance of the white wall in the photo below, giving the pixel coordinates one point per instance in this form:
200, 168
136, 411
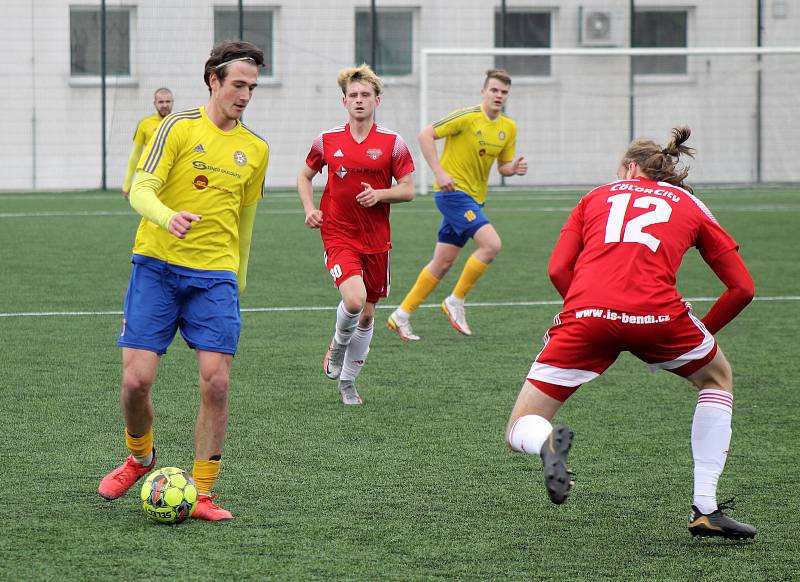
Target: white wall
572, 127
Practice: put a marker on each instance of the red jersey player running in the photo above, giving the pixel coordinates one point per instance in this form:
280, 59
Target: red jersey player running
353, 217
615, 265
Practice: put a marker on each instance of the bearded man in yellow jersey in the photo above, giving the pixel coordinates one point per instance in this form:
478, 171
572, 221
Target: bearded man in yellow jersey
197, 186
163, 102
474, 138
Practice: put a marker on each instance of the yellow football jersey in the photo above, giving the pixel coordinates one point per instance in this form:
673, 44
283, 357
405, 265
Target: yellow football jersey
205, 171
472, 143
146, 128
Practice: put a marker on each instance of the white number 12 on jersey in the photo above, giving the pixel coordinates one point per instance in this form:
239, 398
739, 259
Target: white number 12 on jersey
633, 230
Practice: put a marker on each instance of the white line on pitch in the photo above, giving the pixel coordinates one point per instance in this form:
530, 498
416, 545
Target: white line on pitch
333, 307
494, 210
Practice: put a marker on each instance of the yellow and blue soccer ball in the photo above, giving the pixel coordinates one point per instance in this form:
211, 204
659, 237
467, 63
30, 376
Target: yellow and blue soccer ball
169, 495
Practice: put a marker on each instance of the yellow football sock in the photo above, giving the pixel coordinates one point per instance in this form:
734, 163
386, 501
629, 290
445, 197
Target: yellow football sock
140, 447
204, 474
424, 286
473, 270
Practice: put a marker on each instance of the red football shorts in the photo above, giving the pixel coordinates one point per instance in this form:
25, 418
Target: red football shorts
583, 343
344, 262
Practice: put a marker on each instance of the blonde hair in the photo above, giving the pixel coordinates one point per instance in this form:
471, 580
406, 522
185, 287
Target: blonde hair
499, 74
659, 163
361, 74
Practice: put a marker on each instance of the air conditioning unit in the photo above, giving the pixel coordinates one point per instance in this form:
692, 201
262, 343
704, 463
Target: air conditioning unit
596, 28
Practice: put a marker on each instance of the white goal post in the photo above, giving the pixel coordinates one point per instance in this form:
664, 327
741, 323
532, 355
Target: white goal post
716, 84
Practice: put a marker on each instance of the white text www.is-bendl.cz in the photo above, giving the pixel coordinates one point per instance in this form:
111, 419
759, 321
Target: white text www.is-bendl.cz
623, 317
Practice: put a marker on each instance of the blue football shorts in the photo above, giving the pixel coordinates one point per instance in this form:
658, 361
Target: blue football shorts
163, 298
461, 217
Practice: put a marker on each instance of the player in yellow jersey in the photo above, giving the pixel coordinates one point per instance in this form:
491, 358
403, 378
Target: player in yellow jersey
474, 138
163, 102
197, 186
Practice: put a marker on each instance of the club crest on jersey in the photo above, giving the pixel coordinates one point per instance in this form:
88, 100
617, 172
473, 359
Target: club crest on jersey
200, 182
374, 153
199, 149
239, 158
501, 135
341, 172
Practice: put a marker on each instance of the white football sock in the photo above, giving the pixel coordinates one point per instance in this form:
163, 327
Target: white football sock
455, 300
528, 434
356, 353
711, 437
144, 461
401, 314
345, 324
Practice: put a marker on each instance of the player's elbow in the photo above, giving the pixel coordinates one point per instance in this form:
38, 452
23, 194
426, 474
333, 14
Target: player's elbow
303, 181
555, 276
557, 270
745, 290
560, 275
406, 192
426, 136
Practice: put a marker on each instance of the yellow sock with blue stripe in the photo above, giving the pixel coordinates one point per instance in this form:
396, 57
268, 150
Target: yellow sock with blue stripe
205, 474
473, 270
424, 286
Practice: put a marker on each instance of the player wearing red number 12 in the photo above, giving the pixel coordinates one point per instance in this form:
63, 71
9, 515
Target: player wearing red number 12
362, 159
615, 264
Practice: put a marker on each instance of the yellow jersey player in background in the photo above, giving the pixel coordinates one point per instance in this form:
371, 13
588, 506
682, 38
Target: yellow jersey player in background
474, 138
197, 186
163, 102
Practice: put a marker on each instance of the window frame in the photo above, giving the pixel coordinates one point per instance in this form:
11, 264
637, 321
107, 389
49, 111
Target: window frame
95, 79
667, 77
551, 13
413, 12
263, 76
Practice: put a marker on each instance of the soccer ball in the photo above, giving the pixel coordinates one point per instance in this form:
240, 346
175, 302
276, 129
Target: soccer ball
169, 495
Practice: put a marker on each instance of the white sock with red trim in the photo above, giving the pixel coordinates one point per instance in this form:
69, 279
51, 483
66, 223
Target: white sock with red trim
356, 353
345, 324
528, 434
711, 437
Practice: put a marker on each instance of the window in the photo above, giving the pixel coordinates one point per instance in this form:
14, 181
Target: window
257, 29
523, 30
394, 41
660, 28
84, 41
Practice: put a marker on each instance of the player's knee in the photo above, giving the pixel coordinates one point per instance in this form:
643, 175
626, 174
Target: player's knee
439, 267
354, 303
718, 374
365, 321
489, 249
493, 248
214, 387
724, 378
135, 386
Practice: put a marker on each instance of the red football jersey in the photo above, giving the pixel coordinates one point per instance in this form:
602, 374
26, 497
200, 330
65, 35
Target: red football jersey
635, 233
383, 155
